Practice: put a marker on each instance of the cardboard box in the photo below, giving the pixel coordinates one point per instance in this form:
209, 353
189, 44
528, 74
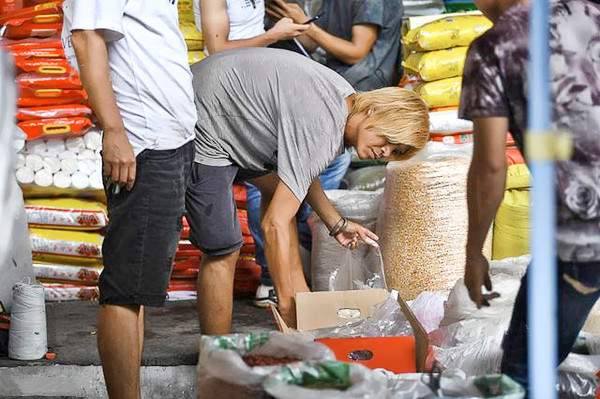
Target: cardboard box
315, 310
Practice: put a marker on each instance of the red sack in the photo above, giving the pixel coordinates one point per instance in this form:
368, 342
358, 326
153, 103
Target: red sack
239, 194
187, 263
514, 156
56, 111
247, 277
36, 129
39, 26
28, 12
45, 97
37, 81
43, 66
7, 6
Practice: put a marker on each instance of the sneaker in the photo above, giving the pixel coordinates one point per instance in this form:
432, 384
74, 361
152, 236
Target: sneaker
265, 296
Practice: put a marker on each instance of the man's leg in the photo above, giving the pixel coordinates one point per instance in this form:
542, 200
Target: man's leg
215, 293
215, 229
119, 345
573, 309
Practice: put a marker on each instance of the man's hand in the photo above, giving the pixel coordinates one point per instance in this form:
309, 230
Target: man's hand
118, 158
477, 274
353, 232
286, 29
278, 9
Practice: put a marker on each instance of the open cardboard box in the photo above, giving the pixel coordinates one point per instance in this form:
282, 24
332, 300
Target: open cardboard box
315, 310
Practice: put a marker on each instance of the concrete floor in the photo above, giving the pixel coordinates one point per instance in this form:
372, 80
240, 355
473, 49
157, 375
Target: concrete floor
170, 352
171, 336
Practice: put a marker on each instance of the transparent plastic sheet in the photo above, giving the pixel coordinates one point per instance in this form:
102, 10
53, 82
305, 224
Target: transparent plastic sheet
452, 384
223, 374
370, 178
470, 339
335, 268
424, 219
387, 320
576, 386
428, 307
331, 380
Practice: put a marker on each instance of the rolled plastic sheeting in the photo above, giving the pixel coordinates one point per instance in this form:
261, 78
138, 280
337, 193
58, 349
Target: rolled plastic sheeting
34, 162
43, 178
53, 164
25, 175
80, 181
68, 166
75, 144
62, 180
93, 140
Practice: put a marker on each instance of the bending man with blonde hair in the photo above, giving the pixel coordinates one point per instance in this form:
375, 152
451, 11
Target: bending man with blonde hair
277, 119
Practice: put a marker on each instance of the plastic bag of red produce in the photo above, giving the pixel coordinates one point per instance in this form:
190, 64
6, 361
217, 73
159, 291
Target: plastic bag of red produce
28, 12
45, 97
234, 366
38, 26
36, 81
35, 129
55, 111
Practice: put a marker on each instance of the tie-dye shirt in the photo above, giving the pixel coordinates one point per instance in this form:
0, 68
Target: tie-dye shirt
495, 85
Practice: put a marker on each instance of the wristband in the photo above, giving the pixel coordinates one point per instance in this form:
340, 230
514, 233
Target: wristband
339, 227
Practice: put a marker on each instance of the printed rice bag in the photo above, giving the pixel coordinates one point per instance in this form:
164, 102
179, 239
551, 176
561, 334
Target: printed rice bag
63, 246
66, 213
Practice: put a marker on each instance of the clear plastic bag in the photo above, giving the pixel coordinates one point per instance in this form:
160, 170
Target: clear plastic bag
223, 374
331, 380
387, 320
576, 386
371, 178
428, 307
335, 268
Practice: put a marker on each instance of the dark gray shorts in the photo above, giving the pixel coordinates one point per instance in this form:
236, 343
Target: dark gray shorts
211, 210
144, 229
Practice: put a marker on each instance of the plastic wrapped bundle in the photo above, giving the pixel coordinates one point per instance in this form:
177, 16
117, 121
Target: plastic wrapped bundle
335, 268
424, 220
49, 272
55, 292
66, 213
63, 246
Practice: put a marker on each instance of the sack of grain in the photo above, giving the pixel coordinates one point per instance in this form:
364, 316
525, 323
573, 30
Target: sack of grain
193, 38
446, 121
511, 226
446, 33
424, 219
436, 65
441, 93
234, 366
370, 178
66, 213
335, 268
68, 247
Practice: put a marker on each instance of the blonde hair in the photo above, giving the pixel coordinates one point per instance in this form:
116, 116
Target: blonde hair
400, 115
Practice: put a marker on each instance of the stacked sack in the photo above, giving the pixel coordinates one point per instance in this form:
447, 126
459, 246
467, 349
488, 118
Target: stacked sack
434, 51
511, 225
187, 259
59, 164
193, 37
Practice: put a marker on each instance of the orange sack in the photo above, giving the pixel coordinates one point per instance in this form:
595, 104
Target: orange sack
43, 97
35, 48
43, 66
55, 127
40, 9
54, 111
38, 26
37, 81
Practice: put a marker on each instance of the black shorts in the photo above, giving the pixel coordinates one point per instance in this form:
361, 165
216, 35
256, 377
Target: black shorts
211, 210
144, 229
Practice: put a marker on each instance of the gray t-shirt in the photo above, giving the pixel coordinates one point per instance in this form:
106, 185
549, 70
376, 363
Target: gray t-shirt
380, 67
267, 110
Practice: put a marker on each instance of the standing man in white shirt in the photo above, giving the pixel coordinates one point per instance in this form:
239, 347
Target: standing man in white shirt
133, 64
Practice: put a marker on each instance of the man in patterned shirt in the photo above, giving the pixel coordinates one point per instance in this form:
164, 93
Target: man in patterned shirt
494, 97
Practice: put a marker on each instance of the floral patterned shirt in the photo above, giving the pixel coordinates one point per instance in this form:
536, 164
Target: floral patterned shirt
495, 85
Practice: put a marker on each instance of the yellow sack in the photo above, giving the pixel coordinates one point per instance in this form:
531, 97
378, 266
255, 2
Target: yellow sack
66, 247
518, 176
441, 93
66, 213
446, 33
436, 65
511, 227
195, 56
193, 38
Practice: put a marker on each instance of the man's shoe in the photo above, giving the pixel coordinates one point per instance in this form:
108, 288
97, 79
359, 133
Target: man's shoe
265, 296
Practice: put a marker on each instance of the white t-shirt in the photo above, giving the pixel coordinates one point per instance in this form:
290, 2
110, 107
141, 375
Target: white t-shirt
148, 66
246, 18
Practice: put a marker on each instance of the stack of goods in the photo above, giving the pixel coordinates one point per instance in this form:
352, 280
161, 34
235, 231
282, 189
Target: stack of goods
66, 243
193, 37
187, 259
434, 50
511, 226
424, 220
60, 163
